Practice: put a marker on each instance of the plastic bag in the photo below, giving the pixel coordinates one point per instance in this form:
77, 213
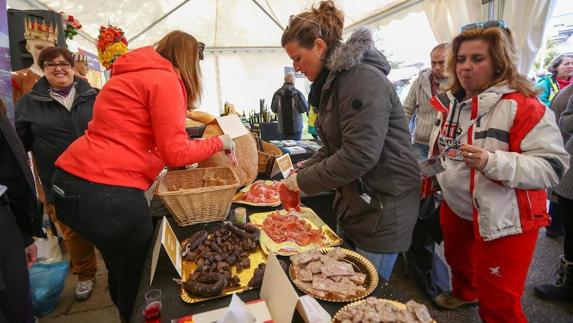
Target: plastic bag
47, 282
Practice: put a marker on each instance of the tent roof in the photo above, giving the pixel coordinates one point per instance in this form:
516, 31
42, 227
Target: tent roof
217, 23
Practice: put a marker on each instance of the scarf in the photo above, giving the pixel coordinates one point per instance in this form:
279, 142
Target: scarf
316, 88
65, 91
563, 83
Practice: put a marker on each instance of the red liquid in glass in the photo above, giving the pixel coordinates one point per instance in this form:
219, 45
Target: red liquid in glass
152, 311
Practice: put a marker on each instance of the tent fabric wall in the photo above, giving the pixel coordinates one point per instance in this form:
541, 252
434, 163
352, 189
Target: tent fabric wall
448, 16
527, 19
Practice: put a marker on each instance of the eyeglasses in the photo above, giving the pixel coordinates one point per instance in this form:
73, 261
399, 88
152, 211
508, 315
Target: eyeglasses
293, 17
53, 66
201, 49
485, 24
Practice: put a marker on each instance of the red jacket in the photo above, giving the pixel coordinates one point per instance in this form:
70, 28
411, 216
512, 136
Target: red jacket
138, 126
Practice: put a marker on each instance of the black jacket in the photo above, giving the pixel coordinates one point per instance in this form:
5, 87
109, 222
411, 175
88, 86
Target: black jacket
47, 128
289, 103
15, 173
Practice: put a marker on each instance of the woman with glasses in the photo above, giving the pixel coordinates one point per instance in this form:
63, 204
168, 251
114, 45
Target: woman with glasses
48, 119
138, 127
367, 156
499, 148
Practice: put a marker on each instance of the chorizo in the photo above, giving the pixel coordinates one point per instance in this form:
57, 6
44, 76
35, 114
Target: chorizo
209, 284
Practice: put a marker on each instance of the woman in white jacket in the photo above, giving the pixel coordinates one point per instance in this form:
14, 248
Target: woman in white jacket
500, 148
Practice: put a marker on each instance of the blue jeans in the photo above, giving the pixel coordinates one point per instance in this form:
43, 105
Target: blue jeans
384, 262
421, 151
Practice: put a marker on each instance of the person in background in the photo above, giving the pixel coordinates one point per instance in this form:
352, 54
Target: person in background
81, 65
556, 229
20, 219
138, 127
289, 103
417, 102
562, 288
48, 119
501, 149
425, 266
561, 70
367, 156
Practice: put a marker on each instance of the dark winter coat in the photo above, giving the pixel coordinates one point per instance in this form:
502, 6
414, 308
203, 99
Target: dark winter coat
47, 128
16, 175
289, 103
366, 151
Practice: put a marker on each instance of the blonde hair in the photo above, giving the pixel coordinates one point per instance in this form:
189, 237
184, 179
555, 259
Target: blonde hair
182, 50
325, 22
503, 53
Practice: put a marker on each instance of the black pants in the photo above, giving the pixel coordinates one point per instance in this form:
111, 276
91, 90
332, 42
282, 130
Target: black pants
116, 220
15, 294
567, 214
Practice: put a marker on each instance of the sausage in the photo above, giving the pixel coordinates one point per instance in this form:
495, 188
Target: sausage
258, 275
240, 232
254, 232
209, 284
196, 240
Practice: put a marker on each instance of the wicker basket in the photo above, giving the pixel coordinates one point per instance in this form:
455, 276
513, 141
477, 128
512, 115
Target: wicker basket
198, 195
267, 155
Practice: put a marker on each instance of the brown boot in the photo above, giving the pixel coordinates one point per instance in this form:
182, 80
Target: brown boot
449, 302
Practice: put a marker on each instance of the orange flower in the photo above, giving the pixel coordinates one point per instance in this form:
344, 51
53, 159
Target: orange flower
108, 36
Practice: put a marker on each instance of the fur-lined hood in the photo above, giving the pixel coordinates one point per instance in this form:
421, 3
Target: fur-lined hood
358, 49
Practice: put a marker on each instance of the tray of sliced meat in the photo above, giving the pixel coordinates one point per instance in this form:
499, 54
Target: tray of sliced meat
259, 193
289, 233
333, 274
383, 310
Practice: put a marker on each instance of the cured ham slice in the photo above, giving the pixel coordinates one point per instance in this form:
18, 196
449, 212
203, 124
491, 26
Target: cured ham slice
290, 227
290, 200
263, 192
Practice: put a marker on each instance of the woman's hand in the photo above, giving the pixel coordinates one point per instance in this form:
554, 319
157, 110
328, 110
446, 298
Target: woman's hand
474, 156
291, 183
228, 143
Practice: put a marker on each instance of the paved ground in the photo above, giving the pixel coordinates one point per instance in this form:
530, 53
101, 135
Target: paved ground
99, 307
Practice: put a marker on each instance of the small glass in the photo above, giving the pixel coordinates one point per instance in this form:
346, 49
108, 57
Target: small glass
240, 215
152, 309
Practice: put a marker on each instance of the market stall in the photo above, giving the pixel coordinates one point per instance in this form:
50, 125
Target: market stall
173, 307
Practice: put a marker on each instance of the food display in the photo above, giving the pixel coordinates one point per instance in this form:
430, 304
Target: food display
260, 193
291, 227
220, 262
381, 310
333, 274
289, 233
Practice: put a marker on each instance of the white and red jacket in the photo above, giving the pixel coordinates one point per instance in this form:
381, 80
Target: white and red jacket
526, 156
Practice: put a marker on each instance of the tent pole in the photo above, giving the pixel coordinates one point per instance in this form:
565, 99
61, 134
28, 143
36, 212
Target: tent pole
158, 20
269, 15
218, 76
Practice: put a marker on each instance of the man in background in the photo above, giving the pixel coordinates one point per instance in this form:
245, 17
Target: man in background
289, 103
417, 103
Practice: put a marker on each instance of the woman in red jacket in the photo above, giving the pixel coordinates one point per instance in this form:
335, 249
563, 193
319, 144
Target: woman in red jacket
138, 126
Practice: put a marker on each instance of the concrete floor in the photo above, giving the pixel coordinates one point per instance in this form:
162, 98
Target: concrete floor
99, 307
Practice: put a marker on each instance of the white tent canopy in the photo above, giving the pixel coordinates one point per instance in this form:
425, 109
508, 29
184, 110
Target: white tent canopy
244, 60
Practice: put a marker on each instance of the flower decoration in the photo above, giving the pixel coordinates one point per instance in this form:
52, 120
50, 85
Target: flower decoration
72, 25
111, 43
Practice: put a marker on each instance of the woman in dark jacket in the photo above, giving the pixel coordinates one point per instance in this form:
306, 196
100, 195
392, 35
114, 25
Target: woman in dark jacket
48, 119
367, 155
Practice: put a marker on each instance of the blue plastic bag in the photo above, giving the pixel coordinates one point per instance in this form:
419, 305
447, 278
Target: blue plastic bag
47, 281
